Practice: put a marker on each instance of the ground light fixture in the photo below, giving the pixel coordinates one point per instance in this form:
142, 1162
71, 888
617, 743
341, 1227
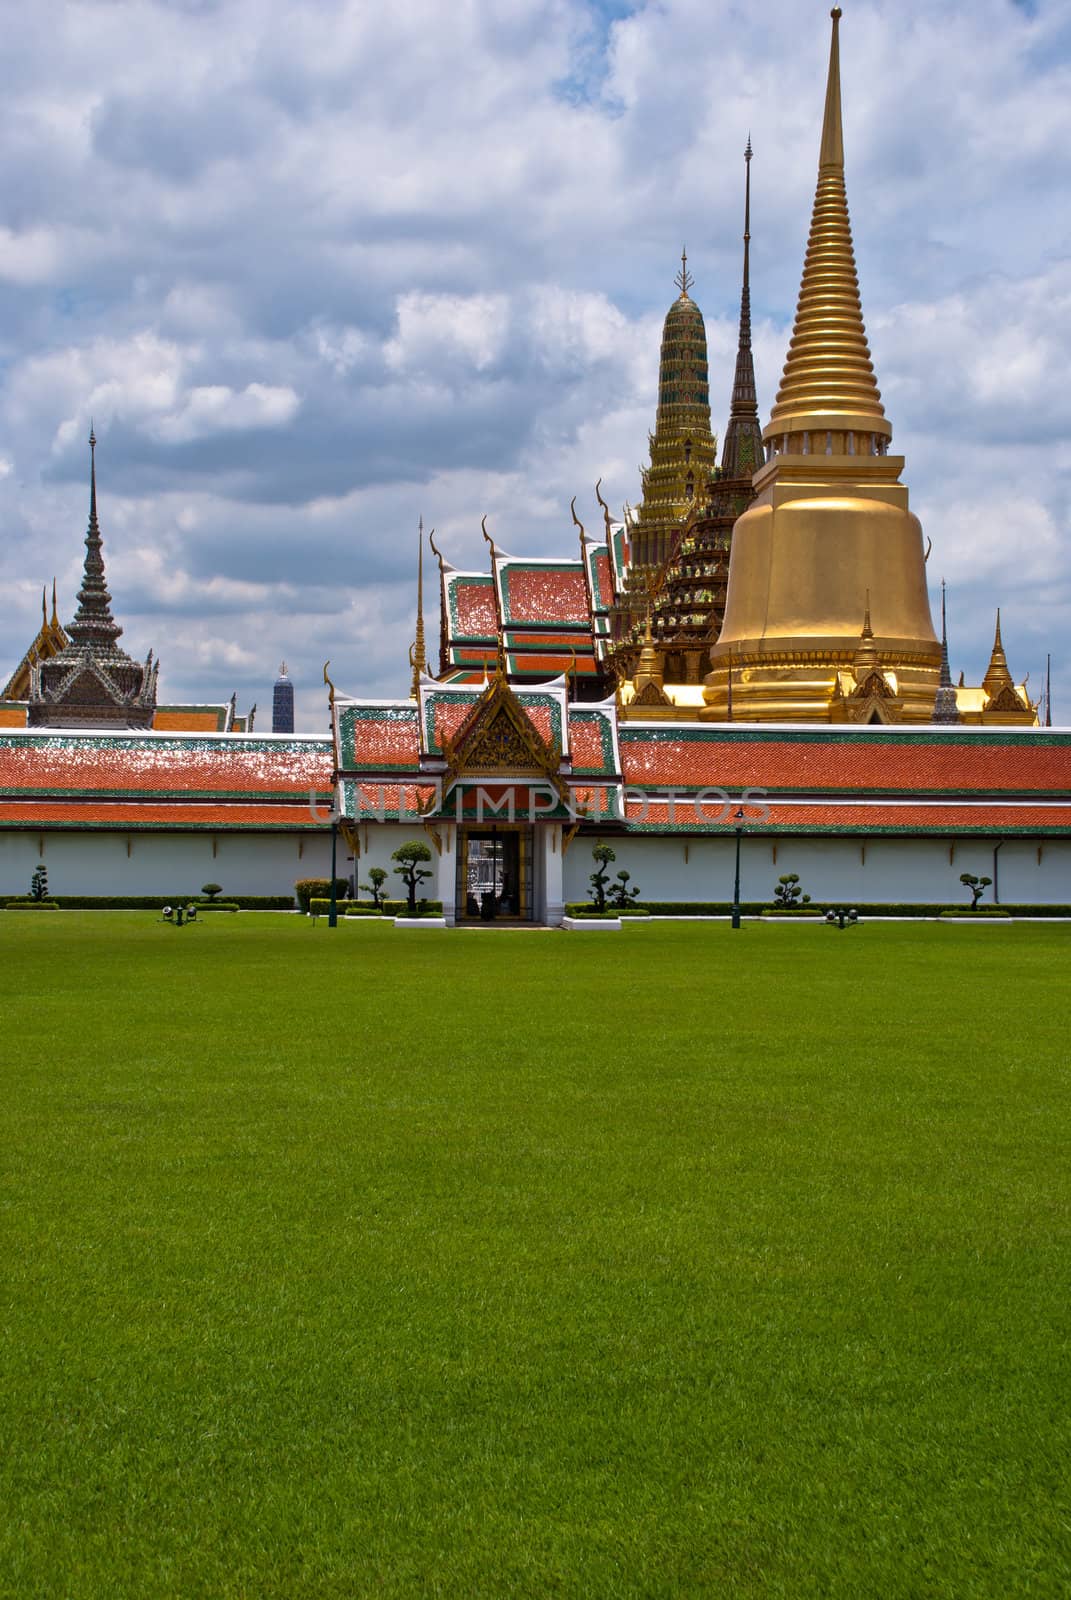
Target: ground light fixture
839, 918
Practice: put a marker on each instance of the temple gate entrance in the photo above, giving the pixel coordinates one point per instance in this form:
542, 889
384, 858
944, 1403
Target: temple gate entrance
494, 873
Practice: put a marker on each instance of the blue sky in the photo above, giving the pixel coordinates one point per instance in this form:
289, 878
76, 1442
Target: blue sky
316, 270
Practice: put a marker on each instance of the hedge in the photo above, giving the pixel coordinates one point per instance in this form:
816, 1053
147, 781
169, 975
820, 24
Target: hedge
793, 911
31, 905
153, 902
214, 905
307, 889
752, 908
319, 907
979, 911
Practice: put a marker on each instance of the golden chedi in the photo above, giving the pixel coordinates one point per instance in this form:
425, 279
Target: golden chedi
830, 521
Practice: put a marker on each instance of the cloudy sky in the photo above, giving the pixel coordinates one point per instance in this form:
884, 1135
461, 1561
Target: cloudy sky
318, 268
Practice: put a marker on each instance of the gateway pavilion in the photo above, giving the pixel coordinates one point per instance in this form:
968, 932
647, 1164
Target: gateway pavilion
746, 662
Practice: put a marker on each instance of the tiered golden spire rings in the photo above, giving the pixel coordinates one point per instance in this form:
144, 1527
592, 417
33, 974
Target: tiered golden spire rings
828, 382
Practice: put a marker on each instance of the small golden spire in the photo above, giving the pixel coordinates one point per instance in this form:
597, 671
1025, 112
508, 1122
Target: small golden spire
828, 381
55, 614
649, 667
866, 657
418, 658
684, 279
44, 606
998, 674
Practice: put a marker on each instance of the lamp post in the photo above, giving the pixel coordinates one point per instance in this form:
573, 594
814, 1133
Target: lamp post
739, 821
332, 916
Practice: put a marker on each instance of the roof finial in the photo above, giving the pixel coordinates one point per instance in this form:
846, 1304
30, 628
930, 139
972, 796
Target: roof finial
684, 279
44, 606
1048, 691
605, 511
55, 612
579, 524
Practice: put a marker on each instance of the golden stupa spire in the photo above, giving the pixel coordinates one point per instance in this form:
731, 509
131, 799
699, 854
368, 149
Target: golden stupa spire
55, 622
998, 673
417, 657
828, 385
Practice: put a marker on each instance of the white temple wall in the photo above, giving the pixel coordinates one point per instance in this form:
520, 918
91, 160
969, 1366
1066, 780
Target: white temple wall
164, 863
876, 871
849, 870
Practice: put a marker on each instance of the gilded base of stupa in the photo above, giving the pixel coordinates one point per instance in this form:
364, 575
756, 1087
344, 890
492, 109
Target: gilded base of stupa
776, 680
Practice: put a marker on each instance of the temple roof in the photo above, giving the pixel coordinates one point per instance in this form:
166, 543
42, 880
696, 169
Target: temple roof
902, 762
140, 779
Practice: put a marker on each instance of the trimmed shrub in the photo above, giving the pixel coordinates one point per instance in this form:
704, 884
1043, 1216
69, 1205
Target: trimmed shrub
216, 905
793, 911
31, 905
320, 907
307, 888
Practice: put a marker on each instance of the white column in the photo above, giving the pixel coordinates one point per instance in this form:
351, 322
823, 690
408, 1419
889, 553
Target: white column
547, 874
446, 871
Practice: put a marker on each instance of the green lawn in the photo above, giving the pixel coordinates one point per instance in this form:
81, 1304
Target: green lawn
674, 1262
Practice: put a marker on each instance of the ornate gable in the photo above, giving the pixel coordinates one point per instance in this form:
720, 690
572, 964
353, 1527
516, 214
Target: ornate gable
496, 737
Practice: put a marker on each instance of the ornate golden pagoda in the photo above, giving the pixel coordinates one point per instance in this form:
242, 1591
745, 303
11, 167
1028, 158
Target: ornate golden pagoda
50, 640
683, 449
830, 520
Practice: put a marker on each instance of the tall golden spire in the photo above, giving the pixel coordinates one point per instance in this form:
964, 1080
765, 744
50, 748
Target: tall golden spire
417, 657
830, 520
828, 382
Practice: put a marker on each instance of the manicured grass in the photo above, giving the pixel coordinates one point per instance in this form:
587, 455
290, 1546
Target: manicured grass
679, 1261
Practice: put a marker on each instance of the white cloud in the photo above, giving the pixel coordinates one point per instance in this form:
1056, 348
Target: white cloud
439, 329
215, 408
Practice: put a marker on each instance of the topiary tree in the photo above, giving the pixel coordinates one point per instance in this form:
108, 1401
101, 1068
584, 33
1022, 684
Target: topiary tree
39, 882
602, 855
377, 877
620, 893
977, 886
788, 894
411, 871
211, 889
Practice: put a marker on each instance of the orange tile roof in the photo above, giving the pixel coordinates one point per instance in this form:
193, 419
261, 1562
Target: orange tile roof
833, 817
144, 813
551, 594
223, 765
926, 763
